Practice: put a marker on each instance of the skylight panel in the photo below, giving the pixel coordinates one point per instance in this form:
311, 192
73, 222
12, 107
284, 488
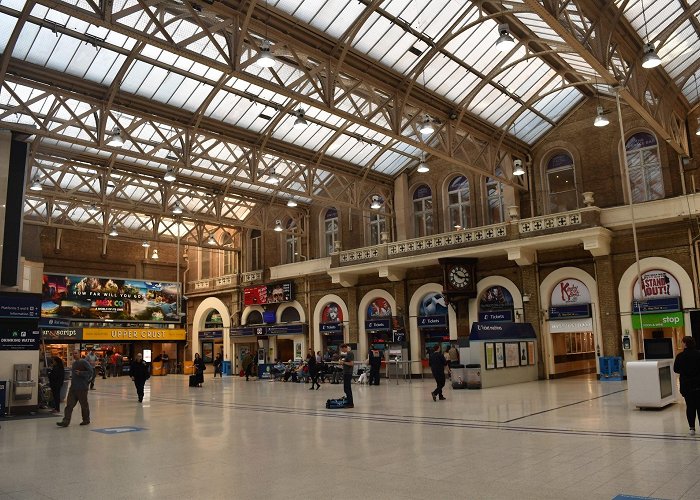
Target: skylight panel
16, 5
493, 105
7, 25
555, 105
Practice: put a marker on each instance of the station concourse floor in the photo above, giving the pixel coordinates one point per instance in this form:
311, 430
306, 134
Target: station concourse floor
573, 438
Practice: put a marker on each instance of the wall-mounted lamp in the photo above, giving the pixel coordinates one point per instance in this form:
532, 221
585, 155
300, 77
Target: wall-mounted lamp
526, 297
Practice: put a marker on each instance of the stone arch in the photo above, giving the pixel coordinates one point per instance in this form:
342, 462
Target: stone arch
317, 318
362, 315
414, 332
200, 315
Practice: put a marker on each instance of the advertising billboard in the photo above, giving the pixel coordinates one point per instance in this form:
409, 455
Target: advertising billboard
117, 299
268, 294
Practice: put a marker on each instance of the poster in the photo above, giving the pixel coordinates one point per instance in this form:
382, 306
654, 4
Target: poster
379, 308
490, 355
496, 298
268, 294
569, 292
657, 284
89, 297
523, 354
332, 313
208, 352
433, 304
512, 354
499, 355
531, 353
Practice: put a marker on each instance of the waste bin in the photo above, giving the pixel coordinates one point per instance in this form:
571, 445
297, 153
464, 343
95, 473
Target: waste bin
459, 376
226, 367
473, 376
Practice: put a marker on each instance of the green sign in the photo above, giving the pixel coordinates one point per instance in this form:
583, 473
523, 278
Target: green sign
658, 320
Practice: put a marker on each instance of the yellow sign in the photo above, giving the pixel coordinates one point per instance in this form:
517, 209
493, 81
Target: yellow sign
118, 334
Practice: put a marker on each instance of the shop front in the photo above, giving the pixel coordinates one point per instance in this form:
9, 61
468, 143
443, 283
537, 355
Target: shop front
251, 340
432, 325
657, 314
331, 328
570, 328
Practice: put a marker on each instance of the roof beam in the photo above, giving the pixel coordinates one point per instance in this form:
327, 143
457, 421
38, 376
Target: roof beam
611, 38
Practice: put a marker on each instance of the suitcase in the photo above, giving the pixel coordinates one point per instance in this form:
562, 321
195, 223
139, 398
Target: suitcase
193, 380
333, 404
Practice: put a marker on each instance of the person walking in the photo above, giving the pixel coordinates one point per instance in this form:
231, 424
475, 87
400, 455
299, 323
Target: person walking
166, 363
313, 369
687, 365
437, 363
375, 365
81, 374
109, 362
199, 368
139, 373
248, 365
56, 376
217, 365
92, 359
347, 360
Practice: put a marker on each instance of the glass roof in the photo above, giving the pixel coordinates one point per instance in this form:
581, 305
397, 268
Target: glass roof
172, 95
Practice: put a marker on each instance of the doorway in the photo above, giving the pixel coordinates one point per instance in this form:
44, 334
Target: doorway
285, 349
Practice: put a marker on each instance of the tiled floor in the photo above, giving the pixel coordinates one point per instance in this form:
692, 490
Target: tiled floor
566, 439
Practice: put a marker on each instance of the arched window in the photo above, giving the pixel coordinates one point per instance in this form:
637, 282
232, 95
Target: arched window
644, 167
331, 230
290, 315
255, 250
254, 318
561, 182
377, 224
291, 242
229, 254
494, 198
423, 211
458, 202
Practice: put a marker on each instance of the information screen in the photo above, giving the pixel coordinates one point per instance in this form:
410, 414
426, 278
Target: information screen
665, 381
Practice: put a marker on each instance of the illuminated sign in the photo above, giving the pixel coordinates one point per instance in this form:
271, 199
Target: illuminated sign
92, 298
117, 334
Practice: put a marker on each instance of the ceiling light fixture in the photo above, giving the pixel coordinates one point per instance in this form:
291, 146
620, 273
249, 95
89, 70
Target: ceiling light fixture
291, 203
600, 119
426, 127
300, 122
650, 59
278, 226
145, 244
177, 208
518, 168
113, 232
376, 202
505, 41
273, 178
115, 138
265, 57
211, 240
170, 175
154, 255
36, 185
423, 167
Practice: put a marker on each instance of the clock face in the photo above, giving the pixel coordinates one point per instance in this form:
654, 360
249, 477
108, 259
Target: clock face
459, 277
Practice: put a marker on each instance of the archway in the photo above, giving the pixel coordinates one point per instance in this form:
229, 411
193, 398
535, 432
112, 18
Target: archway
414, 311
377, 293
320, 305
200, 316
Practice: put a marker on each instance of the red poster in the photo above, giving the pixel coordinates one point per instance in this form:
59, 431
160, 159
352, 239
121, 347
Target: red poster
255, 295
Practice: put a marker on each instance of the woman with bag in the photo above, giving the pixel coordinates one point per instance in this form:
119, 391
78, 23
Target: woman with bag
199, 367
687, 365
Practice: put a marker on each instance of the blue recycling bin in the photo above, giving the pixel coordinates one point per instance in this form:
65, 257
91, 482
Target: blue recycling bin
226, 367
610, 368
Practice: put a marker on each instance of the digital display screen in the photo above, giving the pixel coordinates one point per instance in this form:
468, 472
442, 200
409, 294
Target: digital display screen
658, 349
665, 381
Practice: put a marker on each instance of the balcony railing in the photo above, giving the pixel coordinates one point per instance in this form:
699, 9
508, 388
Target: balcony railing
252, 276
553, 221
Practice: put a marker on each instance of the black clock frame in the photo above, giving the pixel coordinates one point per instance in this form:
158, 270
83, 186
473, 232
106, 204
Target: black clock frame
454, 294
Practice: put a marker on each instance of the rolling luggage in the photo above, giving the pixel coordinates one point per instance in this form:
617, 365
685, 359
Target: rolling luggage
332, 404
193, 380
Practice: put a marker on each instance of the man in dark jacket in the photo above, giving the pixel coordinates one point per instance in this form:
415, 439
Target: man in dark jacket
81, 374
375, 364
437, 363
687, 365
139, 373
